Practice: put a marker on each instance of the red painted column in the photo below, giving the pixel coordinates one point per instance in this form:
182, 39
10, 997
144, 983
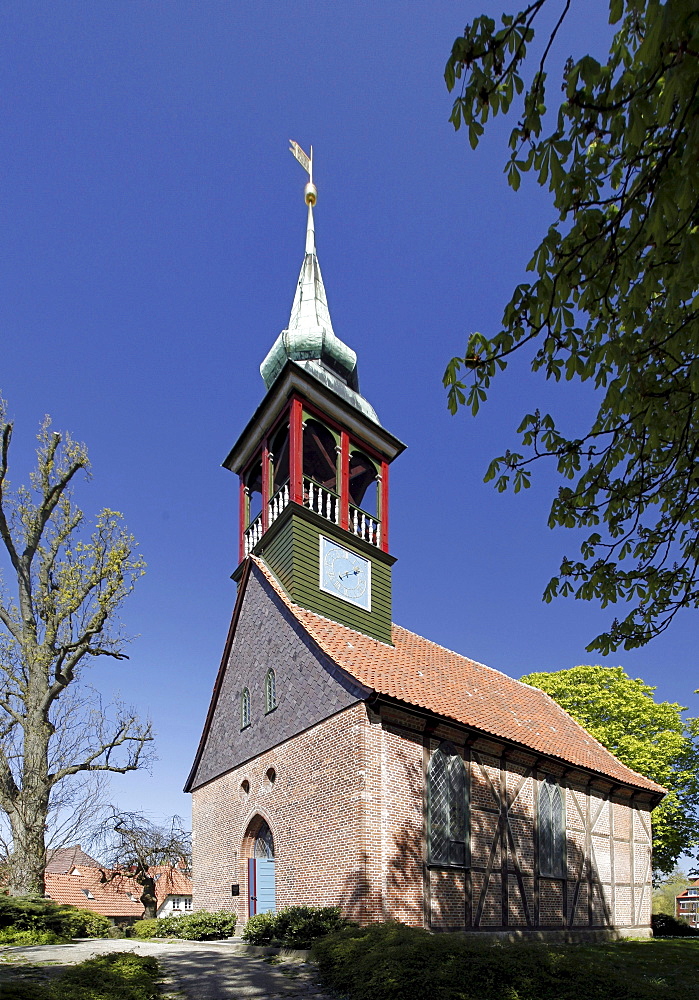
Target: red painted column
242, 511
265, 485
344, 480
296, 450
384, 506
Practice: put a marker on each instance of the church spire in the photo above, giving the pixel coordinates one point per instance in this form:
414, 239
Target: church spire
309, 336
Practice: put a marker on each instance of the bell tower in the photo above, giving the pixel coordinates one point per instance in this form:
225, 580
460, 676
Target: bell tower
313, 464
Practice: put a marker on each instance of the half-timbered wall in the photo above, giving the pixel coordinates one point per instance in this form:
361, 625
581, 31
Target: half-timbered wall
603, 880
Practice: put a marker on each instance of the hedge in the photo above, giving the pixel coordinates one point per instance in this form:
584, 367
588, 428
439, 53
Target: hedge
41, 921
390, 961
294, 926
197, 926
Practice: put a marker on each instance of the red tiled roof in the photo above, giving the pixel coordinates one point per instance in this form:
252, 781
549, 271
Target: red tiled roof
110, 899
113, 899
172, 882
419, 672
63, 859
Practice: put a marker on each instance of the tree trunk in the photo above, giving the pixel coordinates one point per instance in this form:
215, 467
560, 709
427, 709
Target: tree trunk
30, 812
27, 862
148, 896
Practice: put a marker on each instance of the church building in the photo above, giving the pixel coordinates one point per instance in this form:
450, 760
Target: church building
346, 760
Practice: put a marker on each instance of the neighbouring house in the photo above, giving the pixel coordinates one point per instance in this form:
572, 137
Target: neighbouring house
75, 878
63, 860
687, 905
346, 760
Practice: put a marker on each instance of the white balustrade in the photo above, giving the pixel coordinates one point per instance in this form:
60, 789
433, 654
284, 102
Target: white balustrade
322, 501
253, 533
278, 502
364, 526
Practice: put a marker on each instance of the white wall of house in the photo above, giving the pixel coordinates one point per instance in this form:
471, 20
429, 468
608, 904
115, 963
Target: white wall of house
175, 905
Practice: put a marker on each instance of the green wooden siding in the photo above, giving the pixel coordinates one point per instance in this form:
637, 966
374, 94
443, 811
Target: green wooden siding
293, 556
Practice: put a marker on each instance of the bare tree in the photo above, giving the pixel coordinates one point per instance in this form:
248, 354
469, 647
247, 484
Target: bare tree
68, 583
137, 848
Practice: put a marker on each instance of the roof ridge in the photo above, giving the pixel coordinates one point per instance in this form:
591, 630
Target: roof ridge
594, 739
454, 652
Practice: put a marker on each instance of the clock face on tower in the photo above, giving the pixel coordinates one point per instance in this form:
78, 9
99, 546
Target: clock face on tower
345, 574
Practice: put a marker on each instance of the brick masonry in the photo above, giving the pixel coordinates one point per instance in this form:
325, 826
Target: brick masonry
341, 783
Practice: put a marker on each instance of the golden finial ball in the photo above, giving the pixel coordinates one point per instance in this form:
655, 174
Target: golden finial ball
310, 193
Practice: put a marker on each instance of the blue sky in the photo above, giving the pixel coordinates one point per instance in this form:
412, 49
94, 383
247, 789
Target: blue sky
153, 229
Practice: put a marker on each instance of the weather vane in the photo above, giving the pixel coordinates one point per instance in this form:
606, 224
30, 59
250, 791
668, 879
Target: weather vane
310, 191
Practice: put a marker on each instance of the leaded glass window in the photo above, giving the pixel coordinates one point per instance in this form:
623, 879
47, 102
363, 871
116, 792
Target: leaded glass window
264, 842
447, 807
551, 829
245, 709
270, 691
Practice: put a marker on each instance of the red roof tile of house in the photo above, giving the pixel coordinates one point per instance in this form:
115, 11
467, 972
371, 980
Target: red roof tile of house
63, 859
422, 673
171, 882
85, 891
118, 898
684, 891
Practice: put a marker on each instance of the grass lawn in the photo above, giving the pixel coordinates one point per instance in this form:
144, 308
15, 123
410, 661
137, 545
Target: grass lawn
394, 962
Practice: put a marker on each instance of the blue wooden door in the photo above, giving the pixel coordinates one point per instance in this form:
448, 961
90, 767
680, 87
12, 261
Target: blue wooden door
261, 886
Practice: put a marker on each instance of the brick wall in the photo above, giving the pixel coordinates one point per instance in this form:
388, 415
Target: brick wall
502, 888
312, 808
347, 812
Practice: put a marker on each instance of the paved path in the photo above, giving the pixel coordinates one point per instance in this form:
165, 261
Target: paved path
197, 970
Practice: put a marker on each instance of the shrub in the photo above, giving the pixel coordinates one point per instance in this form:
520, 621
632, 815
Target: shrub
11, 935
259, 929
294, 926
146, 928
300, 926
84, 923
119, 976
666, 926
198, 926
44, 916
390, 961
202, 926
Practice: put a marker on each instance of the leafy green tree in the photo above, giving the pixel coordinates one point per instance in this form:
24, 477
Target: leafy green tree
68, 583
613, 299
650, 737
667, 890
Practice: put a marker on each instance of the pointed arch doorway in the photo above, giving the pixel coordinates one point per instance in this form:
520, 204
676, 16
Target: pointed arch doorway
261, 875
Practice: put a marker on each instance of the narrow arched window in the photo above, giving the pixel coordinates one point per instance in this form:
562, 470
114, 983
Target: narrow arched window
447, 807
270, 691
551, 829
245, 709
